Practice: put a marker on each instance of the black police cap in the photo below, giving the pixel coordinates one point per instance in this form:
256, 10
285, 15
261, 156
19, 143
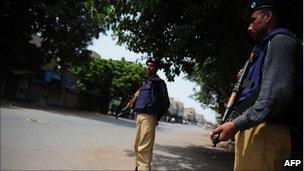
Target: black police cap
153, 60
271, 4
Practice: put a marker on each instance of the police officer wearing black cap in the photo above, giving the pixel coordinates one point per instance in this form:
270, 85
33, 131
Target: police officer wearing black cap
151, 104
269, 106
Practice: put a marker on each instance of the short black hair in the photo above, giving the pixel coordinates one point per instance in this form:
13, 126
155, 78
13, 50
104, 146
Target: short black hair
153, 60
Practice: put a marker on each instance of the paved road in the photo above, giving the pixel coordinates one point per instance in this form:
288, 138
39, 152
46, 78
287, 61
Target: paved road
56, 139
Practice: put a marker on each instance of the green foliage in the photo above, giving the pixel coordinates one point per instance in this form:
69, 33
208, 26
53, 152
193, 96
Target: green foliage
207, 39
66, 28
127, 78
120, 78
91, 74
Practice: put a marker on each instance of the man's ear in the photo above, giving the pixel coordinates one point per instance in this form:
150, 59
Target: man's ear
268, 16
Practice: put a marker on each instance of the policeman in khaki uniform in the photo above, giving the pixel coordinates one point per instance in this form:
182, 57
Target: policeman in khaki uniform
269, 126
151, 104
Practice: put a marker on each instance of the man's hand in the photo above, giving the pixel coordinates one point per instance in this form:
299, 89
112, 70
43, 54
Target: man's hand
226, 131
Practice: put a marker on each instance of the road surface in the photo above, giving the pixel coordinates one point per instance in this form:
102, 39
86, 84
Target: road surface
60, 139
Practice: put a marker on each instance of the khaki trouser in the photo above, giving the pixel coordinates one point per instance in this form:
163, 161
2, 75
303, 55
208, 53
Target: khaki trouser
145, 135
263, 147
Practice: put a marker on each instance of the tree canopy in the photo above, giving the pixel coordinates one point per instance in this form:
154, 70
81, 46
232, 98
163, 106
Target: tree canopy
205, 39
116, 78
65, 29
208, 39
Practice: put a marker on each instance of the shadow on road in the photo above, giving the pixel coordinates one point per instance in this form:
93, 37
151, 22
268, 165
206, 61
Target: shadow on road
167, 157
192, 158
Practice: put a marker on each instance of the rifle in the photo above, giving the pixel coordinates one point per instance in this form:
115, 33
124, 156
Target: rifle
233, 97
129, 106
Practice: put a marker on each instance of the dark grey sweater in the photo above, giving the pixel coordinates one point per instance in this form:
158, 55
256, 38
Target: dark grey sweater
277, 91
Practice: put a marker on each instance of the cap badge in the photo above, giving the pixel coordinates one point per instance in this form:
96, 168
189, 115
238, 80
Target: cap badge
253, 4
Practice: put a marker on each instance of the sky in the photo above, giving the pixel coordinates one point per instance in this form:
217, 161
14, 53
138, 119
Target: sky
181, 89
